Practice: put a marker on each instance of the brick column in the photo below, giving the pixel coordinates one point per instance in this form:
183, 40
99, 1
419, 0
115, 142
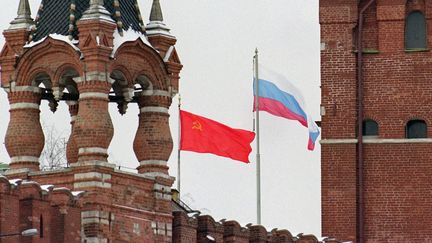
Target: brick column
93, 129
153, 142
72, 149
24, 137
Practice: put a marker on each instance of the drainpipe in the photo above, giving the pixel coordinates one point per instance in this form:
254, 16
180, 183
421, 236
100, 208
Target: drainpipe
360, 162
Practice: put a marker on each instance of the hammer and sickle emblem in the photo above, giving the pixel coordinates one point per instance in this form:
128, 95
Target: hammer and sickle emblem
197, 125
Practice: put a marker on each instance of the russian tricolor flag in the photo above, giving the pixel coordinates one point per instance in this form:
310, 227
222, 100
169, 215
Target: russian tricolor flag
279, 97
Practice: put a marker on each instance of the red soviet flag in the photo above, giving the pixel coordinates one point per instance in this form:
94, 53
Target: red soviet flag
202, 135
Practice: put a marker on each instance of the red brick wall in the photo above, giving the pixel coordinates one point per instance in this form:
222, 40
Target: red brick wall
397, 192
396, 89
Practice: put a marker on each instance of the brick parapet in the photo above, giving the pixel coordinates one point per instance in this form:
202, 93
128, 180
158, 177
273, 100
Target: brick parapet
234, 233
128, 210
280, 236
306, 239
26, 204
184, 228
206, 229
209, 229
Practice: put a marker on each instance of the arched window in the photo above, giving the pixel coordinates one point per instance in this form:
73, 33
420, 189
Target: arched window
370, 128
416, 129
415, 31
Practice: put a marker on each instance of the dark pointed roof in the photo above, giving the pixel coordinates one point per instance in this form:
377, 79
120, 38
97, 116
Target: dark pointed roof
156, 12
60, 16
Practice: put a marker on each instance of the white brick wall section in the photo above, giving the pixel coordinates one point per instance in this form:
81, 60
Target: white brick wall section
93, 163
154, 109
160, 187
91, 175
98, 95
73, 118
153, 162
95, 221
148, 92
24, 105
95, 240
92, 150
163, 196
87, 184
96, 76
155, 174
17, 171
161, 228
99, 217
25, 158
95, 213
26, 88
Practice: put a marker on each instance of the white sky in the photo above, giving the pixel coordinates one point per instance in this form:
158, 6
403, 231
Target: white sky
216, 43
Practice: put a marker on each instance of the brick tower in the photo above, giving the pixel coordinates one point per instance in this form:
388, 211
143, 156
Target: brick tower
376, 102
88, 53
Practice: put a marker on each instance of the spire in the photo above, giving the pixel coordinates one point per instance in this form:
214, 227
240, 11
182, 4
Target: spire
156, 12
97, 11
156, 25
23, 20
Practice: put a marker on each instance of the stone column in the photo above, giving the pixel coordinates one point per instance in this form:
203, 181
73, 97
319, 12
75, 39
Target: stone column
24, 137
153, 142
93, 128
72, 149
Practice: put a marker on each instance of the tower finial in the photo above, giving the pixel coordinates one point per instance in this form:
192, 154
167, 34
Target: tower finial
156, 12
97, 11
156, 25
23, 20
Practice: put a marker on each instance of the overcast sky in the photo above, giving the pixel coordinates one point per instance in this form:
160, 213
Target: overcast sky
216, 43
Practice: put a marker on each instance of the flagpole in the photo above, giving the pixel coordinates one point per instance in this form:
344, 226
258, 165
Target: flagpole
179, 141
258, 157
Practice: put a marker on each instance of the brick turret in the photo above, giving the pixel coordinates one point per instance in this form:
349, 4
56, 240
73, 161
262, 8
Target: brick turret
24, 138
89, 53
93, 129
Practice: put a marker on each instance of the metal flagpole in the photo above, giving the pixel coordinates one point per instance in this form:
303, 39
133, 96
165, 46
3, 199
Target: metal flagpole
179, 141
258, 159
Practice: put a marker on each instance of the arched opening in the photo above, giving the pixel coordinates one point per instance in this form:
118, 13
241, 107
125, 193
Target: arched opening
415, 31
370, 128
416, 129
56, 130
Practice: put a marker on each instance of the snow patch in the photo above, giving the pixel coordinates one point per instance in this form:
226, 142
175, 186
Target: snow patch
77, 193
59, 37
47, 187
30, 183
128, 35
168, 54
15, 182
61, 189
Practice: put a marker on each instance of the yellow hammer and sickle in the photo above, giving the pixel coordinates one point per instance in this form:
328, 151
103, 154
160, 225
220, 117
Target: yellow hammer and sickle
197, 125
